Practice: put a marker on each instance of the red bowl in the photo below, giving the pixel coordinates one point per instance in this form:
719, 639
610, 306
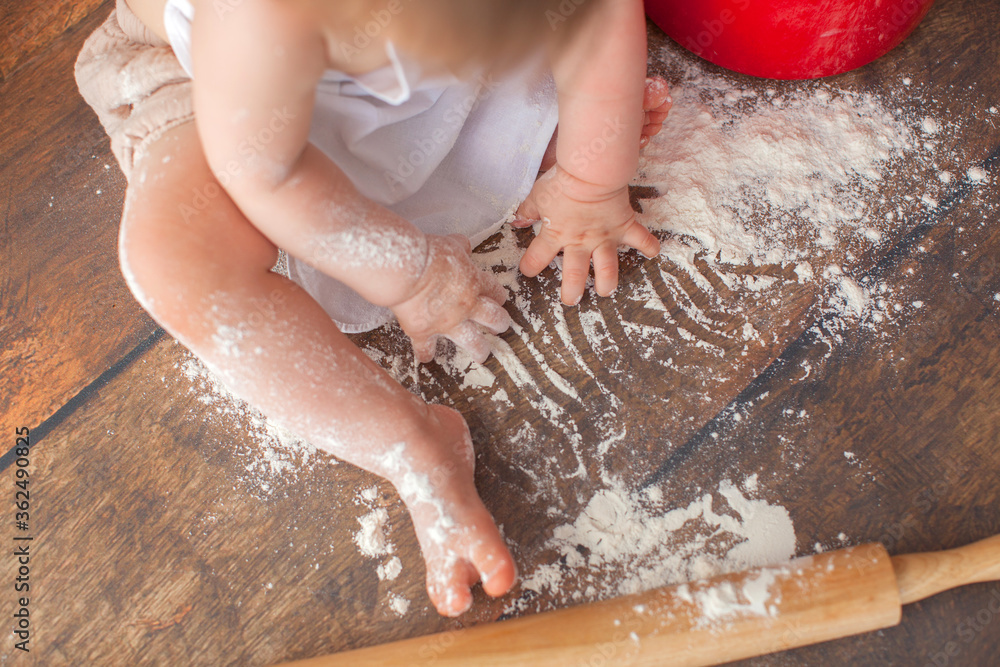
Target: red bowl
788, 39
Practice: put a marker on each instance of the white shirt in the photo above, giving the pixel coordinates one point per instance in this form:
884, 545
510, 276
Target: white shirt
450, 156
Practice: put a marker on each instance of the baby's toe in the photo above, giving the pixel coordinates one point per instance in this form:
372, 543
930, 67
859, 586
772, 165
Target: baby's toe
495, 566
448, 585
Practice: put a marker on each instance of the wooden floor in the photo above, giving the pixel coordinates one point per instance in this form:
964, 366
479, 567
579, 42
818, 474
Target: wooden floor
154, 544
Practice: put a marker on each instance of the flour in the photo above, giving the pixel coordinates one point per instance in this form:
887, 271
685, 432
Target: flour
227, 341
720, 166
722, 602
558, 381
594, 327
630, 542
756, 180
501, 397
562, 329
390, 570
511, 363
399, 605
367, 245
461, 364
371, 538
278, 455
977, 174
850, 298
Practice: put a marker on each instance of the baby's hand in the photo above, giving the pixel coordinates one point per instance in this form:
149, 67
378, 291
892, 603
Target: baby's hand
452, 298
585, 222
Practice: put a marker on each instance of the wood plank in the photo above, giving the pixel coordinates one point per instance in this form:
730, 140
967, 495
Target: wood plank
28, 28
68, 315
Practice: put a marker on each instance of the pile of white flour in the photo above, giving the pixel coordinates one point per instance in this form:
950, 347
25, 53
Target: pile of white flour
628, 542
748, 179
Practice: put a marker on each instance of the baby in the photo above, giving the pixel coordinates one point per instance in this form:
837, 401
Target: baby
375, 142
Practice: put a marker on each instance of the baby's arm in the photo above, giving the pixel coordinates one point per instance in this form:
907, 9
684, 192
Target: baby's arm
256, 71
583, 201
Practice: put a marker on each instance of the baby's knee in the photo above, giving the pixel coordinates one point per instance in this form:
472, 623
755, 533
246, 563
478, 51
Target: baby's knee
165, 262
180, 260
143, 257
166, 271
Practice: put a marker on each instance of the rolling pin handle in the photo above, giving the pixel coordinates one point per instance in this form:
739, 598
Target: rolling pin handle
920, 576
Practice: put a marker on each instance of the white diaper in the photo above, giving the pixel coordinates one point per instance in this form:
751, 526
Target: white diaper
450, 156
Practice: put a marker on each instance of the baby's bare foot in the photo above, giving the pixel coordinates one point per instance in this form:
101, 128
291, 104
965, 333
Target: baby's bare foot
656, 103
469, 550
459, 539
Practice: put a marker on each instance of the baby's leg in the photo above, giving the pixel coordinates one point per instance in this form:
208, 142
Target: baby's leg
655, 107
202, 271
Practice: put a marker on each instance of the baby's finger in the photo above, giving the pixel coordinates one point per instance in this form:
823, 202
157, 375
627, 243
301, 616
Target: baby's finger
539, 254
468, 337
528, 210
492, 289
656, 117
606, 269
424, 348
491, 316
652, 129
653, 118
656, 94
638, 237
522, 223
576, 269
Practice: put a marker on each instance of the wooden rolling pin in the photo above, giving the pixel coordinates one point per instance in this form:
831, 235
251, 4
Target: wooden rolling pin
807, 601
